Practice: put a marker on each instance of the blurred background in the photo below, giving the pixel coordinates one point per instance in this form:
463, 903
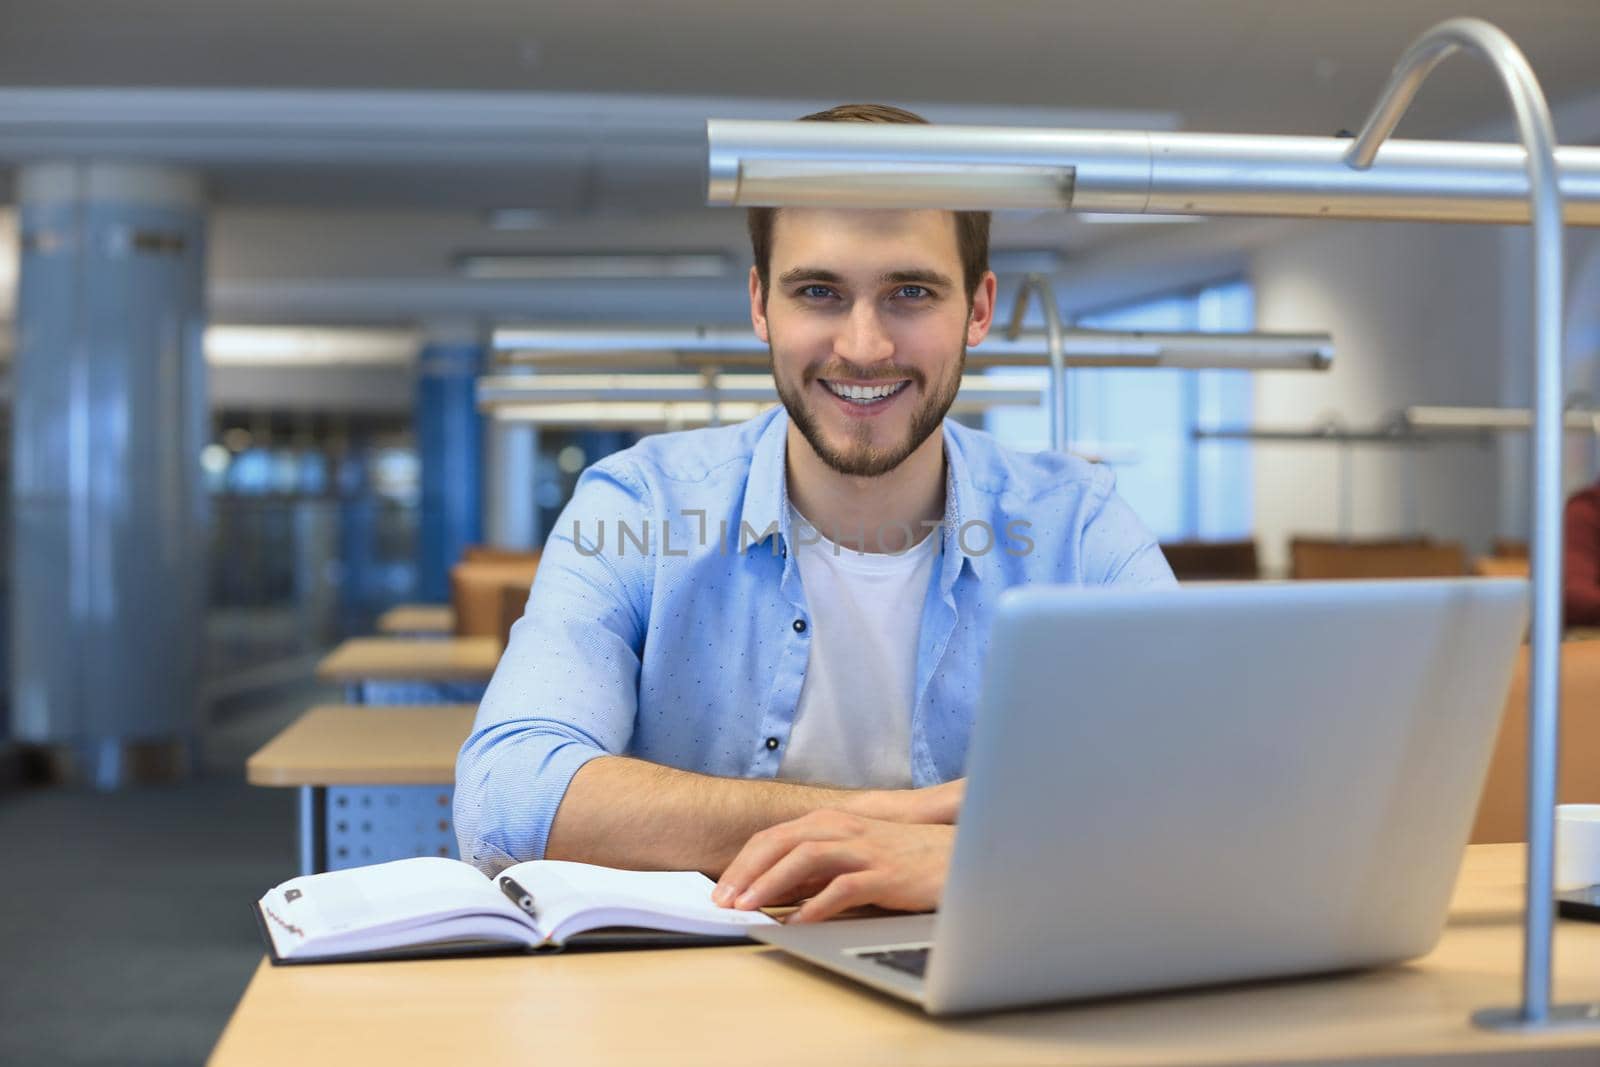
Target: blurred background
253, 258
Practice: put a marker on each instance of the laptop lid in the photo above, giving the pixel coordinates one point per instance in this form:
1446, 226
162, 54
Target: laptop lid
1215, 783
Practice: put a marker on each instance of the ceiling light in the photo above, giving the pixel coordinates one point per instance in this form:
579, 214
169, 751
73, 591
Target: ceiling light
303, 346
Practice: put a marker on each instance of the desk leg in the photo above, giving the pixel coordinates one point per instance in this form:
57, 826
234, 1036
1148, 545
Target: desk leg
312, 806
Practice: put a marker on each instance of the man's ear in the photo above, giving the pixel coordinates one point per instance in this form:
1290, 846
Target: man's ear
982, 315
758, 307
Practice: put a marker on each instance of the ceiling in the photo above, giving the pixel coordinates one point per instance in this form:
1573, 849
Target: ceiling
351, 148
1284, 66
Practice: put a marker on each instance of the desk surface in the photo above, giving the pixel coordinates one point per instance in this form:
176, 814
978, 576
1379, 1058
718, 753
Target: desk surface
361, 745
752, 1004
418, 619
450, 659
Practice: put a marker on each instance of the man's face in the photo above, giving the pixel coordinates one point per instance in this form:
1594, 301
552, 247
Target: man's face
868, 322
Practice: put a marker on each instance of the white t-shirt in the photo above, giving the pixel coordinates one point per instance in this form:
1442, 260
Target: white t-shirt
853, 724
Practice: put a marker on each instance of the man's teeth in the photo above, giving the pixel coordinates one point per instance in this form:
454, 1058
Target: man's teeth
864, 393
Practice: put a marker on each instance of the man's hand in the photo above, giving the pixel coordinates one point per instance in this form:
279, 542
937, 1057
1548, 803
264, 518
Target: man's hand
839, 861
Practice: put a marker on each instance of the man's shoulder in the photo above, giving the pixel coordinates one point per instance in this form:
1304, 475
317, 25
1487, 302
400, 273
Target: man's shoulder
999, 471
689, 457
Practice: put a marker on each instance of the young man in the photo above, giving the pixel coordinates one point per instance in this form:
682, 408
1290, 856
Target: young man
771, 633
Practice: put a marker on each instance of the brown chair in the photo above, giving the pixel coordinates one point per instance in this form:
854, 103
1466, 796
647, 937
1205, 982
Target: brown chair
1503, 546
1501, 566
491, 554
1502, 811
475, 593
1313, 558
1212, 561
513, 602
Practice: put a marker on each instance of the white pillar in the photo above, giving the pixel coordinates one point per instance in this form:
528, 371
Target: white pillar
511, 513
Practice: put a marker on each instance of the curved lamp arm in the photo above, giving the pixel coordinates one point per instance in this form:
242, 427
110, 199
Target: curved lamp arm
1055, 348
1537, 134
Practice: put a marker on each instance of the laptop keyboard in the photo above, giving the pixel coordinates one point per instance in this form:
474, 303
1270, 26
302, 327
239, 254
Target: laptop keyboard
913, 961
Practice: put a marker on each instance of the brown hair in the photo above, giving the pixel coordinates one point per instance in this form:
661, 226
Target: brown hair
972, 227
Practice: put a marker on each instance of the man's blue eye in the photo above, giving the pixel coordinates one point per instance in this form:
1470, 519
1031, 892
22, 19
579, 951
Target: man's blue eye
816, 291
913, 291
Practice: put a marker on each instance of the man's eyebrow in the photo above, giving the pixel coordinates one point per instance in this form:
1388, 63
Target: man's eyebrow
919, 277
893, 277
809, 274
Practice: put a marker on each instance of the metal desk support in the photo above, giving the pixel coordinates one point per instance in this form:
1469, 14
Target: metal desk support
309, 835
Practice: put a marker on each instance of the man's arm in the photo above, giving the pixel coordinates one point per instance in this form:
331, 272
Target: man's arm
622, 812
566, 689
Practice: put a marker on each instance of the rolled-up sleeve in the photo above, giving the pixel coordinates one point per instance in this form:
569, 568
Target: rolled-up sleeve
566, 689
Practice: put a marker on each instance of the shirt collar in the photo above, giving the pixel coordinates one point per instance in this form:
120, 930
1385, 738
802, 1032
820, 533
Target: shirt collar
766, 491
766, 497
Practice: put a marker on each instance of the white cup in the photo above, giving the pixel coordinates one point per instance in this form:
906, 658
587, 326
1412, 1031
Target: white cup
1577, 846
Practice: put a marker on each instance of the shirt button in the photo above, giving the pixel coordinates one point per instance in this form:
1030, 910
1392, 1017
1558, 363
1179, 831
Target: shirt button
772, 743
799, 626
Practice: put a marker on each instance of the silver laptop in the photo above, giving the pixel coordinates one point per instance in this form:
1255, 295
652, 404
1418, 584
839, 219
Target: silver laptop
1179, 787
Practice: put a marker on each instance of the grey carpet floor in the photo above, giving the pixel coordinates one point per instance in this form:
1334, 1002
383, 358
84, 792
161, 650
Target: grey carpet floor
125, 935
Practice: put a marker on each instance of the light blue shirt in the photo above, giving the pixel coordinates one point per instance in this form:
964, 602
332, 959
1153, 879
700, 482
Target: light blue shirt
668, 621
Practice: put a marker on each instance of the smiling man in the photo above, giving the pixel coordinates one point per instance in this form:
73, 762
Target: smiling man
754, 650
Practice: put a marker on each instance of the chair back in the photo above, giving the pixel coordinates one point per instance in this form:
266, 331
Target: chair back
1212, 561
1313, 558
475, 594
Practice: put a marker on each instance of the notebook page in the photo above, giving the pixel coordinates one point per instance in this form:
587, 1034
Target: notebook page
564, 891
383, 896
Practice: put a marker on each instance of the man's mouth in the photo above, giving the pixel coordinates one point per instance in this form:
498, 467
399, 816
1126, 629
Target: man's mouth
864, 395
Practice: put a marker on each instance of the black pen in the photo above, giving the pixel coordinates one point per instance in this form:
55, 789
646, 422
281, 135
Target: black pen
519, 896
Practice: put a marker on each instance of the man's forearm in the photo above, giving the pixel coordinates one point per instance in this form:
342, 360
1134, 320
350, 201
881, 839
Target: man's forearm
622, 812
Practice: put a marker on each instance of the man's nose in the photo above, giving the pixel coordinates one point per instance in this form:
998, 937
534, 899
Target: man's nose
862, 337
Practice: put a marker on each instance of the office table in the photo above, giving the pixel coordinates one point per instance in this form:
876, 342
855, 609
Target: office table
375, 783
418, 620
752, 1005
408, 670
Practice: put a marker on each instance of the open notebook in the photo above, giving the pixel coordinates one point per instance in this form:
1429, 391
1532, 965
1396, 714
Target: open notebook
440, 907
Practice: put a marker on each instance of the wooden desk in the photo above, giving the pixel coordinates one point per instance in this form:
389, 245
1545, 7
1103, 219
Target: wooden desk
754, 1005
363, 664
375, 783
418, 620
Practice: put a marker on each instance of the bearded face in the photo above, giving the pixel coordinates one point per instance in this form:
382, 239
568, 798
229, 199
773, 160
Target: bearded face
866, 421
868, 324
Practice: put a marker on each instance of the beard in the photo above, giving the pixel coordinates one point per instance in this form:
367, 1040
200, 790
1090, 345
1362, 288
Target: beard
859, 457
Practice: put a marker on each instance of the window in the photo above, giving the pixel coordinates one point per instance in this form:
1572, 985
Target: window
1141, 422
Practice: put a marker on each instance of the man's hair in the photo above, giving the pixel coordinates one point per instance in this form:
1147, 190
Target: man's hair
972, 227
